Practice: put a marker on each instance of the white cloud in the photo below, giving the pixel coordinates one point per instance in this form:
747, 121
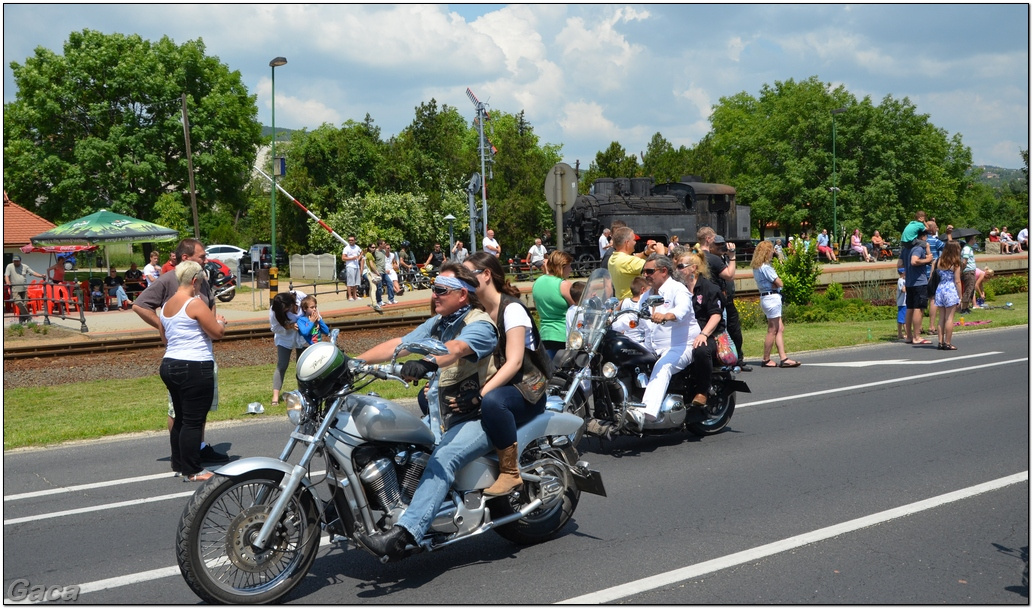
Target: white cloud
699, 98
294, 111
599, 56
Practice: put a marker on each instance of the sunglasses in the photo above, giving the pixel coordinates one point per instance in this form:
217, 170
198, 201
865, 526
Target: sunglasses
682, 267
441, 290
648, 271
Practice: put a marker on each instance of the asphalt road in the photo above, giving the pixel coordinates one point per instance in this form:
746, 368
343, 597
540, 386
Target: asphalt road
879, 474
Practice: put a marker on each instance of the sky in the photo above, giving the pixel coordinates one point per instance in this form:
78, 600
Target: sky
586, 74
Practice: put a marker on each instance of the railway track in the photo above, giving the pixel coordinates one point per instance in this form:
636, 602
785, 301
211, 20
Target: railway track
152, 341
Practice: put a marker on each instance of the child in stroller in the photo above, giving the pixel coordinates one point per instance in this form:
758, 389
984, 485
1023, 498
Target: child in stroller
97, 300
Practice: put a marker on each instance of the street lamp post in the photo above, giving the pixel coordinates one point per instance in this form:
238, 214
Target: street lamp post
273, 271
835, 234
451, 239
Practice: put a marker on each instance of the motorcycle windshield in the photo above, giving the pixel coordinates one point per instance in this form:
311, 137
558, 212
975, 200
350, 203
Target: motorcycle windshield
593, 310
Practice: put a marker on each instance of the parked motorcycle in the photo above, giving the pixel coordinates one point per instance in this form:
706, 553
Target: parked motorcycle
602, 372
222, 280
250, 533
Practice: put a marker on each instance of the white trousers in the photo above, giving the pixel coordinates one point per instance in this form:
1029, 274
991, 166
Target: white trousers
674, 360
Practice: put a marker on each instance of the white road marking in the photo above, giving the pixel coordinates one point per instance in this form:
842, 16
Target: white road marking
657, 581
624, 591
890, 381
905, 362
85, 487
146, 576
98, 508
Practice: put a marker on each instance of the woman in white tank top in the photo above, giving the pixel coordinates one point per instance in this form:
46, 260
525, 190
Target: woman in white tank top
188, 368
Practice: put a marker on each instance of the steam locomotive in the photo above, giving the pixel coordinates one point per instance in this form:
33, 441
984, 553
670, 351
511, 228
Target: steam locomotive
654, 212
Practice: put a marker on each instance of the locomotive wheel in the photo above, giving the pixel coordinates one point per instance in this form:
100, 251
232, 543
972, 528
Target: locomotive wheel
584, 265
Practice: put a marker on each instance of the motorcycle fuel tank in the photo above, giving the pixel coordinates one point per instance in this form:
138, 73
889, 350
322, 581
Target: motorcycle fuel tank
624, 351
375, 418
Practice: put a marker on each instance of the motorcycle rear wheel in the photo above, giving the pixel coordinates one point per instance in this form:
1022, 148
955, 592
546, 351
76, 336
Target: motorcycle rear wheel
543, 523
720, 409
212, 541
227, 297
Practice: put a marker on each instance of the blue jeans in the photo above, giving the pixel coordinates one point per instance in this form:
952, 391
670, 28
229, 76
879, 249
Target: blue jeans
192, 386
385, 280
503, 410
459, 446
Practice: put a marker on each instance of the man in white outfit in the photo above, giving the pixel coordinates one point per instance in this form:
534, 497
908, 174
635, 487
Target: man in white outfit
672, 329
351, 256
604, 243
490, 245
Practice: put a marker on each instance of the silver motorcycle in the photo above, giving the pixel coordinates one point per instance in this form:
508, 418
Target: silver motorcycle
250, 534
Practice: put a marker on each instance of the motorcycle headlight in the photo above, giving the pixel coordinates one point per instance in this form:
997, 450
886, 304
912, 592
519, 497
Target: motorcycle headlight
297, 407
609, 370
576, 340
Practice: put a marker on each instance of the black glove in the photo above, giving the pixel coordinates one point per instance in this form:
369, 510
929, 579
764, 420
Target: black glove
464, 398
418, 369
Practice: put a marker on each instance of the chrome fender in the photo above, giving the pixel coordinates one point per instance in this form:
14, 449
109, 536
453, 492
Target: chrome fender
250, 464
549, 423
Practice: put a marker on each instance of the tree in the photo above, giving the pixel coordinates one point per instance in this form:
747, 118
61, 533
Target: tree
890, 161
100, 126
614, 162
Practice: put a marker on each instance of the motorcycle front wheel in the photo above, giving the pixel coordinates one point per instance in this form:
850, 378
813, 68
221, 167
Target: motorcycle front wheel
559, 493
213, 540
228, 296
719, 411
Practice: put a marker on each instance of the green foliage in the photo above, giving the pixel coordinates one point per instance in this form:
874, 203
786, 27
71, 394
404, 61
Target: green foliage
171, 212
841, 310
889, 159
834, 291
1005, 284
750, 314
799, 273
99, 126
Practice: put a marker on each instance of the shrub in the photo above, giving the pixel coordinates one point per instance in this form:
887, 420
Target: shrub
1010, 284
750, 314
799, 273
834, 291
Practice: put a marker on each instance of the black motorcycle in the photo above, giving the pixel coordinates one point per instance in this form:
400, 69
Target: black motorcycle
223, 283
602, 373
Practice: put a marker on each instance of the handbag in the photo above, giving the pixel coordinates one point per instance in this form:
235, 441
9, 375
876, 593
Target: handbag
726, 353
934, 280
536, 368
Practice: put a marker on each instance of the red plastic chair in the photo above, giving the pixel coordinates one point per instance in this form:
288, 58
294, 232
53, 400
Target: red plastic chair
34, 297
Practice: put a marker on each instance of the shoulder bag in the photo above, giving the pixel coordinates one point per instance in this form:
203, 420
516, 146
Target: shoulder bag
934, 280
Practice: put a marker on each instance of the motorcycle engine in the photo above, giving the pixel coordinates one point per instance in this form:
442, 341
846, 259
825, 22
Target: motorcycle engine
380, 477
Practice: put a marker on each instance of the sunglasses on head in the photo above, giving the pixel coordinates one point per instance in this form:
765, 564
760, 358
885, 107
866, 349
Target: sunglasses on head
648, 271
441, 290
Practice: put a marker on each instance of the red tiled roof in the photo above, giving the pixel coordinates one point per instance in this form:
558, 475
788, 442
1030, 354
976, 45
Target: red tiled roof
20, 224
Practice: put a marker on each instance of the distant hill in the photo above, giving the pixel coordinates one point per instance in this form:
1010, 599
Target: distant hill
997, 177
282, 133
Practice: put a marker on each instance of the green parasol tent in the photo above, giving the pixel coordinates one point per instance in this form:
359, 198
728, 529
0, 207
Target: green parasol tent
104, 227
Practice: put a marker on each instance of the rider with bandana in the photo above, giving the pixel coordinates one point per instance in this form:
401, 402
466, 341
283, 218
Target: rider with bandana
468, 333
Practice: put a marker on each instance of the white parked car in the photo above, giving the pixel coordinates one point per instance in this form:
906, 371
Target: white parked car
227, 254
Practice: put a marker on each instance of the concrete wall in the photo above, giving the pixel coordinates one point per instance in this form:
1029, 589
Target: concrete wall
313, 266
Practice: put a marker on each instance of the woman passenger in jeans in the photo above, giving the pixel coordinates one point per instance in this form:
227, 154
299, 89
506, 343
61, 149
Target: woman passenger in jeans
503, 407
188, 368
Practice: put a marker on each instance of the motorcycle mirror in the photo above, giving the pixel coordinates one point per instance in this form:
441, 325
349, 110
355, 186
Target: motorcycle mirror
655, 300
333, 335
612, 302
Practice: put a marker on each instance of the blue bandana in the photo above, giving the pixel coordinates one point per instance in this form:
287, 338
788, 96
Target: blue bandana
454, 283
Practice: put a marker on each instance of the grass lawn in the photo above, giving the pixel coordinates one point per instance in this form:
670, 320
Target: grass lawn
79, 411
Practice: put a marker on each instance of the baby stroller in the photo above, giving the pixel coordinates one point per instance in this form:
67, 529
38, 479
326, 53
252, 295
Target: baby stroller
98, 302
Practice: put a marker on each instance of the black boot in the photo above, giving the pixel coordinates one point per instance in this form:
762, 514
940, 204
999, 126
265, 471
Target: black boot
390, 543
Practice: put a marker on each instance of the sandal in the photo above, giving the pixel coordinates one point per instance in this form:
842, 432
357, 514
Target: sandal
788, 363
200, 476
949, 347
921, 341
766, 363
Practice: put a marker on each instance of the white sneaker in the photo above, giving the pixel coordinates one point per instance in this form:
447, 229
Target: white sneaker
636, 417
